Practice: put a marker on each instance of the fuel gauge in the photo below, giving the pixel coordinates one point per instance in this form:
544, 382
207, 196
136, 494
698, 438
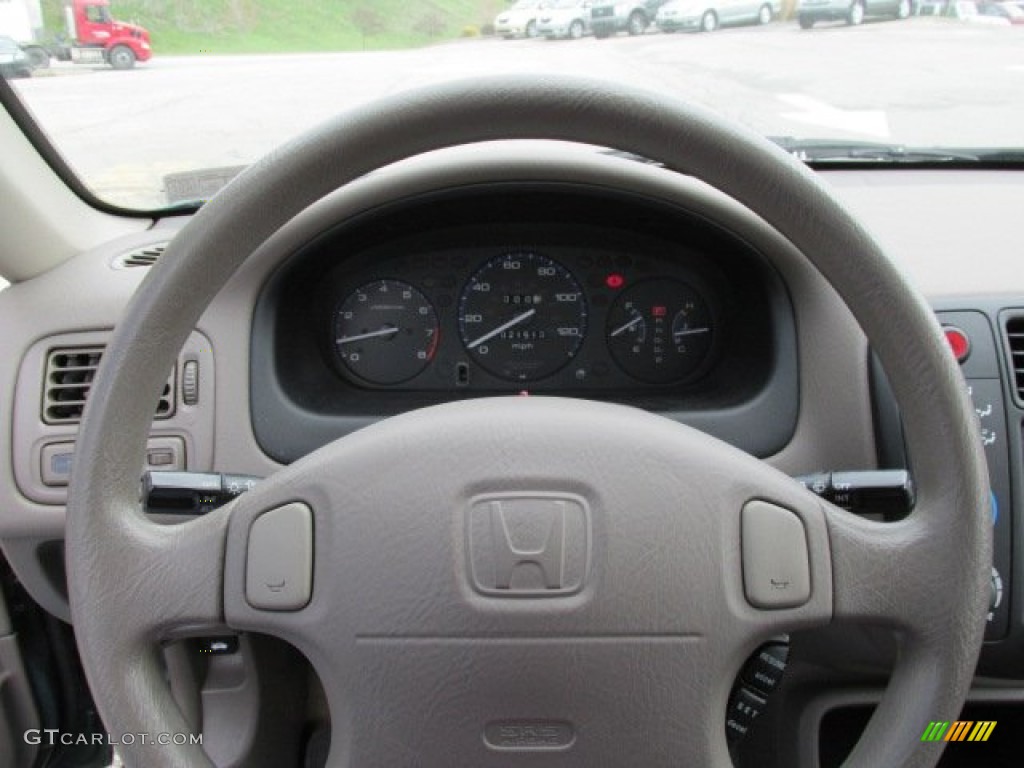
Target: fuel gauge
633, 330
659, 331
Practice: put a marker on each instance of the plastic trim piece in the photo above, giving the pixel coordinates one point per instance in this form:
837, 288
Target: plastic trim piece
279, 563
193, 425
776, 571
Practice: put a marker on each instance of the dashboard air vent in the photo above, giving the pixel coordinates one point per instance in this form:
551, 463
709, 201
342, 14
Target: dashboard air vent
141, 257
1015, 342
69, 375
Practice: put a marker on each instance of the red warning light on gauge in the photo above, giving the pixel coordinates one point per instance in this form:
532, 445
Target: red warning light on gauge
615, 280
659, 310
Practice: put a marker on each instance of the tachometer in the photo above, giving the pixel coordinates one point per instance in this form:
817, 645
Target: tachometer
522, 316
659, 331
386, 332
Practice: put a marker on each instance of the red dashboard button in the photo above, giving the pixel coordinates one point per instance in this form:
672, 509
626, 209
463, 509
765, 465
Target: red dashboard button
958, 342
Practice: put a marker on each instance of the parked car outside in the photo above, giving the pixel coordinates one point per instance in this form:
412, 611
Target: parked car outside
14, 62
565, 18
608, 17
984, 13
1010, 11
520, 20
709, 15
853, 12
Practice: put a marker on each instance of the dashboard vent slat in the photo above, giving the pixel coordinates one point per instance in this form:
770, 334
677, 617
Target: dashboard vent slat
69, 376
146, 256
1014, 330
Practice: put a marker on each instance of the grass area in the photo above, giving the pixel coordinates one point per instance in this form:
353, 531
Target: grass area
279, 26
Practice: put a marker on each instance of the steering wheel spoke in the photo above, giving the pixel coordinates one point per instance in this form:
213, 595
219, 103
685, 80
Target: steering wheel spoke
881, 572
156, 598
190, 599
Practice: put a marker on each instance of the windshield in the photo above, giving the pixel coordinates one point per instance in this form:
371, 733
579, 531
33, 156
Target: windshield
169, 109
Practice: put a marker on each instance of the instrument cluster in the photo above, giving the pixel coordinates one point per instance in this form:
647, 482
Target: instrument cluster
525, 316
542, 288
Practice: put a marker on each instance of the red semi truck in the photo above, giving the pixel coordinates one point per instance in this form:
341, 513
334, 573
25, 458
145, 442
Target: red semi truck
98, 37
93, 36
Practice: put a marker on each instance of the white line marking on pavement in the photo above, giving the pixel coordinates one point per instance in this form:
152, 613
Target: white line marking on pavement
815, 112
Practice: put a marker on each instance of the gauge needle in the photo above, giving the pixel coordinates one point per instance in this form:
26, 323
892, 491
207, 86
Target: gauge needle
370, 335
621, 330
503, 327
690, 332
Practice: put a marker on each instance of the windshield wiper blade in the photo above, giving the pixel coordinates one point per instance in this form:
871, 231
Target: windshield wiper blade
1008, 156
191, 204
831, 150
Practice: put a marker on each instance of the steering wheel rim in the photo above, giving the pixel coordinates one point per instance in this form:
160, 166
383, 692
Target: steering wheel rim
114, 555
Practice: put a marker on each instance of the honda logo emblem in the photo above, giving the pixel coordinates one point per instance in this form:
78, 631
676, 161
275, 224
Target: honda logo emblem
528, 544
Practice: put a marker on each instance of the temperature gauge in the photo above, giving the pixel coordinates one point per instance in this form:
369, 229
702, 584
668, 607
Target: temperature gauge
660, 331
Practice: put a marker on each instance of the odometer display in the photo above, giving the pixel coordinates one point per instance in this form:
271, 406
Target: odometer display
522, 316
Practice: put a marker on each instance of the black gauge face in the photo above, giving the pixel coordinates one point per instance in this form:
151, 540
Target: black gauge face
522, 316
659, 331
385, 332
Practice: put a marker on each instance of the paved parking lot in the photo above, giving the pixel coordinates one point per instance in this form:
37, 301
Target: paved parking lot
921, 82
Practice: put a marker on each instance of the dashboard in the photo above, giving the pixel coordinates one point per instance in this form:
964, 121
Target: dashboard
596, 278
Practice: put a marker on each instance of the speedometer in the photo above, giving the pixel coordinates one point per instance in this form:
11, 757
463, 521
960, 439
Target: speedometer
522, 316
